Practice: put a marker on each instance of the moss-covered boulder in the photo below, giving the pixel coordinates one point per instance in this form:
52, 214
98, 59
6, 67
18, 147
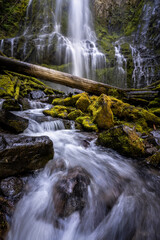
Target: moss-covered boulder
75, 114
57, 111
6, 86
83, 102
124, 140
101, 112
154, 159
87, 123
11, 105
143, 119
69, 101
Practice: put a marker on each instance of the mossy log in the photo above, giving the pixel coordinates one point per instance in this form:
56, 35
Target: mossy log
51, 75
72, 81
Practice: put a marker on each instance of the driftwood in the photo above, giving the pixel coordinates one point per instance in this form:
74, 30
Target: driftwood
69, 80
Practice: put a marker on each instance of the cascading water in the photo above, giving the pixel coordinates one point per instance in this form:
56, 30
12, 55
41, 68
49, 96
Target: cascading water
121, 201
44, 39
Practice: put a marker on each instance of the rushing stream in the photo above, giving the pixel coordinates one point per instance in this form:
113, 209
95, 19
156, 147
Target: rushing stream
122, 201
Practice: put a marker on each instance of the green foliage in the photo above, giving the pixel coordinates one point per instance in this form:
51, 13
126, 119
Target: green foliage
10, 17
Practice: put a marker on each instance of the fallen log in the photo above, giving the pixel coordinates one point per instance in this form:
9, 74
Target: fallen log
72, 81
51, 75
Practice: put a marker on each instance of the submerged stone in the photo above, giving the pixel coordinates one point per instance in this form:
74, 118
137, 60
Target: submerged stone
70, 192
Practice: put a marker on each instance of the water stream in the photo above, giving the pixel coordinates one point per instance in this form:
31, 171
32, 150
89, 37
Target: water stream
122, 200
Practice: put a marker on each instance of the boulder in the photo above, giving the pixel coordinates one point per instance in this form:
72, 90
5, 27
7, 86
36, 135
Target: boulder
37, 94
83, 102
12, 122
154, 160
11, 105
123, 139
20, 154
101, 111
70, 192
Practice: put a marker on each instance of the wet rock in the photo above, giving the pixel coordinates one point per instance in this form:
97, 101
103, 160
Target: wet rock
12, 122
37, 94
70, 192
124, 140
58, 165
11, 187
25, 103
23, 154
154, 159
11, 105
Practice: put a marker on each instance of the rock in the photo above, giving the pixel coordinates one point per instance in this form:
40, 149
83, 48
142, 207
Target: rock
124, 140
25, 103
37, 94
154, 159
12, 122
83, 102
11, 105
23, 154
70, 192
11, 187
101, 112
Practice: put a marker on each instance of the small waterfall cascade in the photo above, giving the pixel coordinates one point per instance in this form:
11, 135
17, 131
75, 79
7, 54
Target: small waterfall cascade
120, 201
57, 33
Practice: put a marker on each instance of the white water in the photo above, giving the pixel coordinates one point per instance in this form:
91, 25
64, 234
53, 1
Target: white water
122, 204
43, 30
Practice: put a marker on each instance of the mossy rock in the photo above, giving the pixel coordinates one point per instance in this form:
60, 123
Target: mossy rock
156, 112
155, 103
11, 105
69, 101
154, 159
57, 111
126, 112
6, 86
83, 102
101, 112
75, 114
124, 140
87, 123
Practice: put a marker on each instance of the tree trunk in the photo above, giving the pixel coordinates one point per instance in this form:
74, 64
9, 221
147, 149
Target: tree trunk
51, 75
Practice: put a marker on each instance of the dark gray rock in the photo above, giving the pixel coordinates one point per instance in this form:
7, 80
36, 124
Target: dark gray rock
23, 154
12, 122
37, 94
70, 192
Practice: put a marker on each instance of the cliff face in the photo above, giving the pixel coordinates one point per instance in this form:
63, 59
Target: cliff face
129, 34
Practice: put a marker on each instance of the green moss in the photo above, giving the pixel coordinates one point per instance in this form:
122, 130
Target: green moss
11, 105
124, 140
11, 16
154, 159
69, 101
87, 123
6, 86
101, 112
75, 114
156, 112
83, 102
57, 111
139, 116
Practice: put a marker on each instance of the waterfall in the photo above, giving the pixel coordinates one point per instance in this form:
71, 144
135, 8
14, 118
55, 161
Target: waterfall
121, 202
44, 40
